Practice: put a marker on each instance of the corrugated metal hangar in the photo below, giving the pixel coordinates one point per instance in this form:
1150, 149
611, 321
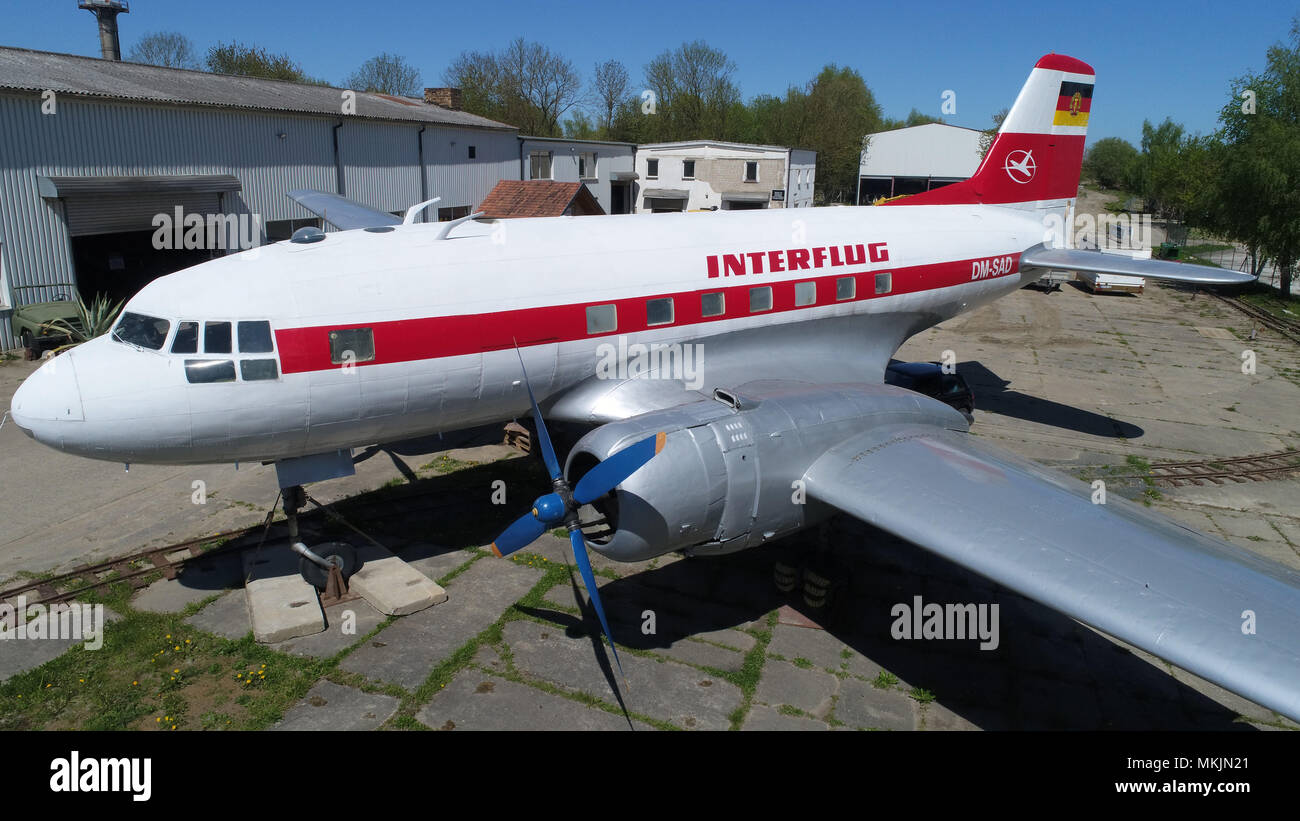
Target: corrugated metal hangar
915, 159
94, 151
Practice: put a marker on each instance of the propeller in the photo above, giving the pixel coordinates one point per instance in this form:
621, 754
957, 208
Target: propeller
560, 506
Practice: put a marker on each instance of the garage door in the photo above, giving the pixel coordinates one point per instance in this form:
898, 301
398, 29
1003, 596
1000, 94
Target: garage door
119, 213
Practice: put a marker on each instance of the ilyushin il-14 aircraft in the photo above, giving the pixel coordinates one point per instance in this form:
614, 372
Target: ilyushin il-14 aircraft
391, 329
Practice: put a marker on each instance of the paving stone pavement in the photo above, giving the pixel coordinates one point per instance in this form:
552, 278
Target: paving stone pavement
330, 706
479, 701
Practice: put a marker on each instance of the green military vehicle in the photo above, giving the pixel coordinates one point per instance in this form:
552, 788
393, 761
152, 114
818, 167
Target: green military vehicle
30, 325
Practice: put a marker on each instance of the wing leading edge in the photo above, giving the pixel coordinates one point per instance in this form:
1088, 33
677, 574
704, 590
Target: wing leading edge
1075, 259
1126, 571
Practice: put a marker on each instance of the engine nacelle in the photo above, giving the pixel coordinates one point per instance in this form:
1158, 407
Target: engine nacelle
728, 475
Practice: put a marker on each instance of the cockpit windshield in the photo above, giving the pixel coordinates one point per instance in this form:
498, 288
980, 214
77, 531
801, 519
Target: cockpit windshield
145, 331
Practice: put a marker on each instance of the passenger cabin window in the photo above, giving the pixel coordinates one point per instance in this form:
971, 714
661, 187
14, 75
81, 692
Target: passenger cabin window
659, 311
846, 288
805, 293
253, 370
352, 345
145, 331
255, 337
216, 337
187, 338
760, 299
712, 304
209, 370
601, 319
883, 283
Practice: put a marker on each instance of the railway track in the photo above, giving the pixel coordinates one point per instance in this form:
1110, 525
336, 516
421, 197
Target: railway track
1287, 328
1260, 467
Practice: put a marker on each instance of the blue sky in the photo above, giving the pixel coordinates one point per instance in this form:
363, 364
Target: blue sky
1153, 59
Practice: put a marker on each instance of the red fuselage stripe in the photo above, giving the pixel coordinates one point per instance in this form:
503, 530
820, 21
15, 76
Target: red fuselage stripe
409, 340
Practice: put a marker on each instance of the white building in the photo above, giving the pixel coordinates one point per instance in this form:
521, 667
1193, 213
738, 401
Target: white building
701, 175
605, 168
911, 160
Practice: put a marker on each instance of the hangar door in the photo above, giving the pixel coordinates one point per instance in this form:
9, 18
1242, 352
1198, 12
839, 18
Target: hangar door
114, 230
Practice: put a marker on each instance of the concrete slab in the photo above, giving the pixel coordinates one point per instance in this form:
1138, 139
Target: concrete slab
820, 647
20, 655
808, 690
281, 604
196, 582
330, 706
478, 701
864, 706
226, 617
766, 718
406, 652
434, 561
391, 585
345, 624
660, 689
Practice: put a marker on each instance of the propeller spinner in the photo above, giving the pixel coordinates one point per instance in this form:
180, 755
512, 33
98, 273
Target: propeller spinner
560, 506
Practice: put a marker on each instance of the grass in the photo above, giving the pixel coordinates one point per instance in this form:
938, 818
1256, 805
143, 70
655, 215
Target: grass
885, 680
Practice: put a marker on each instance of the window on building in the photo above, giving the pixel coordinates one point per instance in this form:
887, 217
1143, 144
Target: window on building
209, 370
760, 299
187, 338
216, 337
352, 345
539, 165
453, 213
255, 337
659, 311
846, 288
601, 319
688, 169
884, 283
146, 331
652, 169
253, 370
587, 165
751, 171
473, 152
805, 293
712, 304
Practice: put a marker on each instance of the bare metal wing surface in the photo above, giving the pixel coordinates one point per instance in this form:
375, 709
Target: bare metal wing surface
341, 212
1074, 259
1126, 571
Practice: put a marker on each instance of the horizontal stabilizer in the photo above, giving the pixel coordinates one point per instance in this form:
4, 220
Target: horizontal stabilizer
341, 212
1073, 259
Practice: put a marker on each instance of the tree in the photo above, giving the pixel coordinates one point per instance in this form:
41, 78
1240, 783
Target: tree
255, 61
693, 92
1257, 189
387, 74
1110, 162
990, 134
915, 117
164, 48
526, 84
579, 127
611, 87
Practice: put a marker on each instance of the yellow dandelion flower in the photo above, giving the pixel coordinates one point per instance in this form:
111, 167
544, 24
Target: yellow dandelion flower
135, 683
173, 726
187, 641
177, 670
159, 720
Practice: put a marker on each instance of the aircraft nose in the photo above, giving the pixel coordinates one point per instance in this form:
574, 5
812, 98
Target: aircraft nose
48, 399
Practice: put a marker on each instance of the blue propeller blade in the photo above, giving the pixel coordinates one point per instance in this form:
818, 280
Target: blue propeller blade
521, 533
583, 561
605, 476
548, 452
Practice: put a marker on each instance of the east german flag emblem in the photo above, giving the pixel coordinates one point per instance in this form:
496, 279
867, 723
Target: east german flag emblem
1073, 104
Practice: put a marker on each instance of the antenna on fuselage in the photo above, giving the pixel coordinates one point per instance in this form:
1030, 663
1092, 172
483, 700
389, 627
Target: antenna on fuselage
409, 219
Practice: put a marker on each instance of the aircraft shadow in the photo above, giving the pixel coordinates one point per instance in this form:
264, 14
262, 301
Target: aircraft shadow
992, 395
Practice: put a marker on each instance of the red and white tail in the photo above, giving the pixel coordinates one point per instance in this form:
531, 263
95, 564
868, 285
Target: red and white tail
1035, 158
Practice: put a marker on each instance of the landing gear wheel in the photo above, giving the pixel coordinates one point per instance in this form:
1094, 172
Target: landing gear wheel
341, 554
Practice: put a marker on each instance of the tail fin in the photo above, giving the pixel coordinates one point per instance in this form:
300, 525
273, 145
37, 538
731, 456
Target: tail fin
1035, 158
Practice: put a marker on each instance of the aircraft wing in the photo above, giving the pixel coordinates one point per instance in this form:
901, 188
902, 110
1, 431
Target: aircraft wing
1117, 567
1074, 259
341, 212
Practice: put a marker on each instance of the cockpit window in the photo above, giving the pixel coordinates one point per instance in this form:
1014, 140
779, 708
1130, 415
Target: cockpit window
146, 331
187, 338
216, 337
255, 337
